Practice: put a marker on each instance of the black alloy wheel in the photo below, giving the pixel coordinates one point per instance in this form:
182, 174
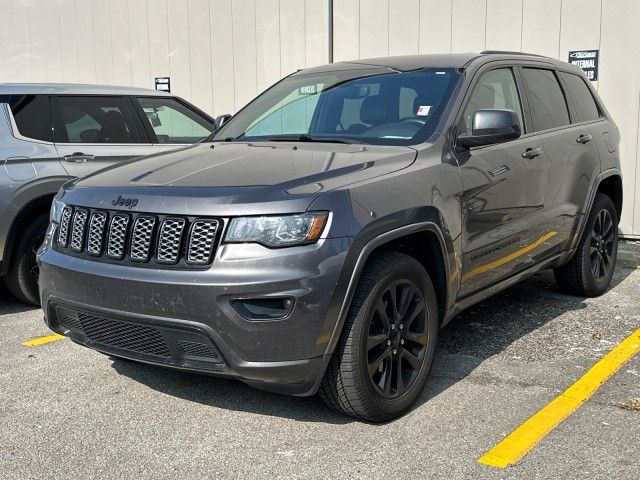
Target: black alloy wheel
397, 339
602, 243
387, 344
590, 270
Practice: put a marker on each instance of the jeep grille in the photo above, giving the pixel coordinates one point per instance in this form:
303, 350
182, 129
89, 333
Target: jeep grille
146, 239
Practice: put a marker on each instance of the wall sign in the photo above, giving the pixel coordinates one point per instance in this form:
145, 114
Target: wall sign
587, 60
163, 84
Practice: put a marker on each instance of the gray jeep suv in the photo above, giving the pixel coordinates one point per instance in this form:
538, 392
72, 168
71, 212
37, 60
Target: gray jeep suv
50, 133
326, 232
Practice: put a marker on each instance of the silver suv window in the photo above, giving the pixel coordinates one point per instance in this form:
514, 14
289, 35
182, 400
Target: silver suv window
94, 119
32, 115
172, 122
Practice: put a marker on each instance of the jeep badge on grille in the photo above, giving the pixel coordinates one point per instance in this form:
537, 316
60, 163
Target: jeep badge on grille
124, 202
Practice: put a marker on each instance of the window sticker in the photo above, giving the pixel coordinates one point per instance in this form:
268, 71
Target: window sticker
423, 110
308, 90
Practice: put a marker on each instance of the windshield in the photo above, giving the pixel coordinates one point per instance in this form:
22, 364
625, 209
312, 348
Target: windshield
377, 106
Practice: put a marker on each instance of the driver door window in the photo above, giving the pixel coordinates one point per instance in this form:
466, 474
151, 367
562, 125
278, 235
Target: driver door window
495, 89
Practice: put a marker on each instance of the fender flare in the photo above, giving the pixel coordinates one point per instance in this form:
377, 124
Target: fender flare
363, 256
611, 172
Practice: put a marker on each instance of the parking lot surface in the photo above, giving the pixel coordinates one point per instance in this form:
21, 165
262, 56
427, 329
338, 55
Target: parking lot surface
69, 412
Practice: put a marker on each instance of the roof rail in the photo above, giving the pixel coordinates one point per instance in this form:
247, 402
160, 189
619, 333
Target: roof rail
507, 52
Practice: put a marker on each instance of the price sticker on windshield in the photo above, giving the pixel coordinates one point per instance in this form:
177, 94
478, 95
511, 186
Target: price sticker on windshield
423, 110
308, 90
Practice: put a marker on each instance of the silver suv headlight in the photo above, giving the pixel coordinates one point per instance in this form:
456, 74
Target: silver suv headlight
277, 231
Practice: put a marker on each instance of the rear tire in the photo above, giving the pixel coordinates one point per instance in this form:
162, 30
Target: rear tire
384, 355
590, 270
22, 278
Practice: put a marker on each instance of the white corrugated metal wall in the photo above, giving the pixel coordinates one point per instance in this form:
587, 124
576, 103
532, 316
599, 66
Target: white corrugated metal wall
220, 53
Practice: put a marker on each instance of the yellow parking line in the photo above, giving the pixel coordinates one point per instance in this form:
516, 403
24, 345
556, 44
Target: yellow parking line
515, 446
34, 342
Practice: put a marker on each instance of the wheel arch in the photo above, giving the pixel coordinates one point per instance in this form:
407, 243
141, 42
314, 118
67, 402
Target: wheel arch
612, 187
608, 182
437, 259
36, 207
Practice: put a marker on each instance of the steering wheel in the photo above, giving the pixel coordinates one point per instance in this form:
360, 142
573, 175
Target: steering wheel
413, 120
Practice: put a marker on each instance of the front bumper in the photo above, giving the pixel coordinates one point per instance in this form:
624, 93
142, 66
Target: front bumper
184, 319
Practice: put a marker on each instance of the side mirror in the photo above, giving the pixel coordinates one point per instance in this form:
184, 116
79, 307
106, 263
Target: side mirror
492, 126
221, 120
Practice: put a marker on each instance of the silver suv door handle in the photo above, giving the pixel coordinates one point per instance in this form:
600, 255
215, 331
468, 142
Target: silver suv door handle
78, 157
532, 152
584, 138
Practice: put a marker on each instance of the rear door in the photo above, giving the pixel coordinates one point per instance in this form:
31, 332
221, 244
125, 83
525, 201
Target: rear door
94, 132
503, 190
571, 153
171, 123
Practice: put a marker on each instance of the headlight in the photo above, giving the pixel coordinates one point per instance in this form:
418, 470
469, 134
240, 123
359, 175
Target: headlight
281, 231
56, 210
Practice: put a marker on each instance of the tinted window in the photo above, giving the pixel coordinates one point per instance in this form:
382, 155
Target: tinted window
583, 101
495, 89
547, 102
95, 120
173, 122
378, 106
32, 115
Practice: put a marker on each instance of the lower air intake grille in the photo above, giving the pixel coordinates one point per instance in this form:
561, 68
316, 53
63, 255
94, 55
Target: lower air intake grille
196, 349
123, 335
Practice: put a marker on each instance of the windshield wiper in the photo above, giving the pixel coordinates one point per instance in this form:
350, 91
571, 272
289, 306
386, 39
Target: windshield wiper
305, 137
233, 139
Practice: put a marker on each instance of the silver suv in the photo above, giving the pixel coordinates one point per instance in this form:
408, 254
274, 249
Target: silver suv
50, 133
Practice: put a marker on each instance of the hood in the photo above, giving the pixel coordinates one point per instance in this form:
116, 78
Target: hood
245, 178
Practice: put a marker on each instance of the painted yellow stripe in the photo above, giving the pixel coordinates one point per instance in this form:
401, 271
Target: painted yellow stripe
506, 259
515, 446
34, 342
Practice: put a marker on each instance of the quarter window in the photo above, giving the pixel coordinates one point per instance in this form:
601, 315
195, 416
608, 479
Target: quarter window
585, 105
95, 120
548, 105
495, 89
172, 122
31, 114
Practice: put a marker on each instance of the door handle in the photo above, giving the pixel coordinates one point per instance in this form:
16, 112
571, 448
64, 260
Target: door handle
532, 152
584, 138
78, 157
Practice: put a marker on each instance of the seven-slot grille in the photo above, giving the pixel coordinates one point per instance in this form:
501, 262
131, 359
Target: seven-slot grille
136, 237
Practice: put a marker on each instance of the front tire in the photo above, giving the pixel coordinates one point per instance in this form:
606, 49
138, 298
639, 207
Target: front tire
22, 277
388, 342
590, 270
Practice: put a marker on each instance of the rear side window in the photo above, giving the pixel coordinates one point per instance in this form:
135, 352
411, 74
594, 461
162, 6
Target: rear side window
585, 105
547, 102
94, 120
32, 115
173, 122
